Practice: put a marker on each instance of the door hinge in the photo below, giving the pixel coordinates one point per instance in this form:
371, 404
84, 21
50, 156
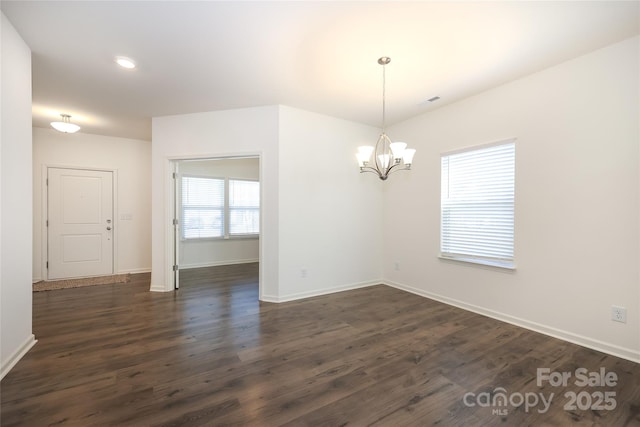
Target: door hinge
175, 268
47, 223
47, 264
174, 175
175, 221
47, 183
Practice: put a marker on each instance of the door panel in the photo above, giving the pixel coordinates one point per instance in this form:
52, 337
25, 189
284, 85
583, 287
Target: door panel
82, 248
80, 232
81, 199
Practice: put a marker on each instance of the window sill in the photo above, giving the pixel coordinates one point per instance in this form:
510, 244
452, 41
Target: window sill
242, 236
219, 239
502, 265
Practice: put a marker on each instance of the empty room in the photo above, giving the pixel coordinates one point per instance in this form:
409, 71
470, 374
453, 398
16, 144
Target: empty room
320, 213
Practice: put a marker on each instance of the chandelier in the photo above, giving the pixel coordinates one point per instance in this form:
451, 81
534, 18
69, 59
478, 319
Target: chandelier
388, 156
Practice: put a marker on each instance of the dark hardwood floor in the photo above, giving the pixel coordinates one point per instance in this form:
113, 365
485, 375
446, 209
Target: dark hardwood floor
212, 354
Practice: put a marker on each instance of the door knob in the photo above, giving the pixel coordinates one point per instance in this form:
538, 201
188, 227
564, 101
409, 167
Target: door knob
108, 228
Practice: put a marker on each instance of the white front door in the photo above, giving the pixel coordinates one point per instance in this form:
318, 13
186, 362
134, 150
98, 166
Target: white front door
80, 223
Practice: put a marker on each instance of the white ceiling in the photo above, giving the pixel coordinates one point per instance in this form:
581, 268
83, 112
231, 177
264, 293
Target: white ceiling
319, 56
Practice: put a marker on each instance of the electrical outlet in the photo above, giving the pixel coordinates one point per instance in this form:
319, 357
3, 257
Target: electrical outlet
618, 314
303, 273
396, 266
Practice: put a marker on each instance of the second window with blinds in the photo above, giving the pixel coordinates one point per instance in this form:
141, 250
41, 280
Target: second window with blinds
219, 207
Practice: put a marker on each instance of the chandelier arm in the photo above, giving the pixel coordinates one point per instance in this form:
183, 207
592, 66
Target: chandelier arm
375, 151
385, 142
395, 168
371, 170
368, 169
375, 159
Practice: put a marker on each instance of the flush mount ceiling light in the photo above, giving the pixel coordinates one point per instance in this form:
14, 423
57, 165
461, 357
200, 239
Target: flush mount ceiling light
388, 156
65, 125
125, 62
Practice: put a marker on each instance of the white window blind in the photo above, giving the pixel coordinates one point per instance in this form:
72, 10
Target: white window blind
202, 207
244, 207
477, 205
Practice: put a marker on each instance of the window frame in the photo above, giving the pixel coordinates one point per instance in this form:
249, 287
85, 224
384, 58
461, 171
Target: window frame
182, 208
229, 208
508, 263
226, 235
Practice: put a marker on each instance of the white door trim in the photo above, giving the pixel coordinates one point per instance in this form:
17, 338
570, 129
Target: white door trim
176, 224
45, 213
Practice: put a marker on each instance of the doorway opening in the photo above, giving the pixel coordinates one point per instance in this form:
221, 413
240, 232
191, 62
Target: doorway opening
216, 221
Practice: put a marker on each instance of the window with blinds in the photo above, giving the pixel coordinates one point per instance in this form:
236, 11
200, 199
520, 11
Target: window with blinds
219, 207
244, 207
477, 205
202, 207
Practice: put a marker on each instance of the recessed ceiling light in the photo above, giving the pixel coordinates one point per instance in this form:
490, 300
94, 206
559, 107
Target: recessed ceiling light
125, 62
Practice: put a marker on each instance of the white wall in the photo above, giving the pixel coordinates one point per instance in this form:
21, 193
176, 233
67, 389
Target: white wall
318, 213
131, 159
16, 337
210, 252
250, 131
330, 213
577, 201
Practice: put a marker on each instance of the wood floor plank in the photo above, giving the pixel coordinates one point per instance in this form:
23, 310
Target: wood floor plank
211, 354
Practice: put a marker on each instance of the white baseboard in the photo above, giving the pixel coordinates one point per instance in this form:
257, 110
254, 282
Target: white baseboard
129, 271
134, 271
612, 349
317, 292
218, 263
17, 355
158, 288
